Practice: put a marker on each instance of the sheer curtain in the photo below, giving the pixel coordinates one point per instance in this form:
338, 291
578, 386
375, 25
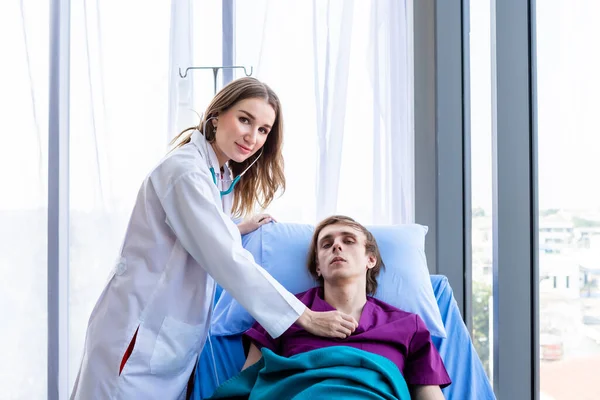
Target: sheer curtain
393, 154
341, 71
332, 40
24, 28
119, 125
127, 102
181, 56
342, 96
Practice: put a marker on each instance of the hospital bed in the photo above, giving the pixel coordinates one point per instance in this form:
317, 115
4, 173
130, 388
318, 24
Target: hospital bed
223, 354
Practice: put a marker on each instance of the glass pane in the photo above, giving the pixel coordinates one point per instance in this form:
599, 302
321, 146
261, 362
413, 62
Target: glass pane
23, 203
119, 70
481, 179
569, 198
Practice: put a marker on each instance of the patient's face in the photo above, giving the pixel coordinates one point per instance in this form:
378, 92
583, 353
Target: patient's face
341, 255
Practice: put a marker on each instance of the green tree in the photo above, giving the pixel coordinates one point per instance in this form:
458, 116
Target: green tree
549, 211
478, 212
481, 322
585, 223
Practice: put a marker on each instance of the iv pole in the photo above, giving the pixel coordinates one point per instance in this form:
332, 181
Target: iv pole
215, 72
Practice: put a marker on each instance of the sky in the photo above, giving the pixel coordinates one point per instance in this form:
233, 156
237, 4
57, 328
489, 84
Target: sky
568, 84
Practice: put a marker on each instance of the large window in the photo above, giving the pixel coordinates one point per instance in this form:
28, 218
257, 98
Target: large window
120, 80
569, 198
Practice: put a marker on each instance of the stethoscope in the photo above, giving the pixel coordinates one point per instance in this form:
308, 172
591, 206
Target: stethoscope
212, 170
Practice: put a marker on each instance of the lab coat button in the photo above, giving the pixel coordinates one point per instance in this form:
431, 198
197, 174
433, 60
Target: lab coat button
121, 266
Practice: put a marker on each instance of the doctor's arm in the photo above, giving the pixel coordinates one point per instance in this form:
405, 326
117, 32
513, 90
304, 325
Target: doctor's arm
206, 233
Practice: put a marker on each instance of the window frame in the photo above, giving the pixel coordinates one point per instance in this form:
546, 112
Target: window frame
442, 173
58, 201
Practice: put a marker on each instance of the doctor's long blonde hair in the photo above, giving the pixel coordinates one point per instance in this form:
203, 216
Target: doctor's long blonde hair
263, 180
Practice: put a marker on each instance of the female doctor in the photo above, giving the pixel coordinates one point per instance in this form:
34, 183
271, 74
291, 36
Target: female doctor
153, 316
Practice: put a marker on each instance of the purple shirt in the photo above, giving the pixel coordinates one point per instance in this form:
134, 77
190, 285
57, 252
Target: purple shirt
383, 329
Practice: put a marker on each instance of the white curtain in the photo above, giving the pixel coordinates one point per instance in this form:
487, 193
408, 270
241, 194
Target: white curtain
341, 71
332, 38
181, 56
127, 102
338, 67
24, 27
120, 74
393, 152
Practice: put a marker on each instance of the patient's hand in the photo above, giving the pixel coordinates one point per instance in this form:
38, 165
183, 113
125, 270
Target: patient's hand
427, 392
253, 223
334, 324
254, 355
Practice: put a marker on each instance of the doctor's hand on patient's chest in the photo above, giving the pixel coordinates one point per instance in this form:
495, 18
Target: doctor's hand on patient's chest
255, 222
334, 324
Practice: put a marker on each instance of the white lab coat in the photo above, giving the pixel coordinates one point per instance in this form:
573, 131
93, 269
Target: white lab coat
178, 240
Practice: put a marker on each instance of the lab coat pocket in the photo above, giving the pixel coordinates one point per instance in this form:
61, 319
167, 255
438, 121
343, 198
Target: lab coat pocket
175, 346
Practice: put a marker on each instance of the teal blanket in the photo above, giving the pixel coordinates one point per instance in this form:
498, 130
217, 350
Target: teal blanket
339, 372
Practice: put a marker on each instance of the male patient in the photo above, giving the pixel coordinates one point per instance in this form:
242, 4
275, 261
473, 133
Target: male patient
345, 260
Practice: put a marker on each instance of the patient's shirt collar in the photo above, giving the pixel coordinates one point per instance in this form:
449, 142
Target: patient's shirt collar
366, 318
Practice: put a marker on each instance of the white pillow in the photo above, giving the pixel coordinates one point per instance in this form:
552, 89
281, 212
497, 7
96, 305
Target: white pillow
282, 249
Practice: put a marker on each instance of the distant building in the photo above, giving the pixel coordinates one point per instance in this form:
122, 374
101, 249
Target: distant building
556, 232
589, 267
589, 238
559, 275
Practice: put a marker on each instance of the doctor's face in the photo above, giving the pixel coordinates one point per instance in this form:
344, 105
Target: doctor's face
342, 255
243, 129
